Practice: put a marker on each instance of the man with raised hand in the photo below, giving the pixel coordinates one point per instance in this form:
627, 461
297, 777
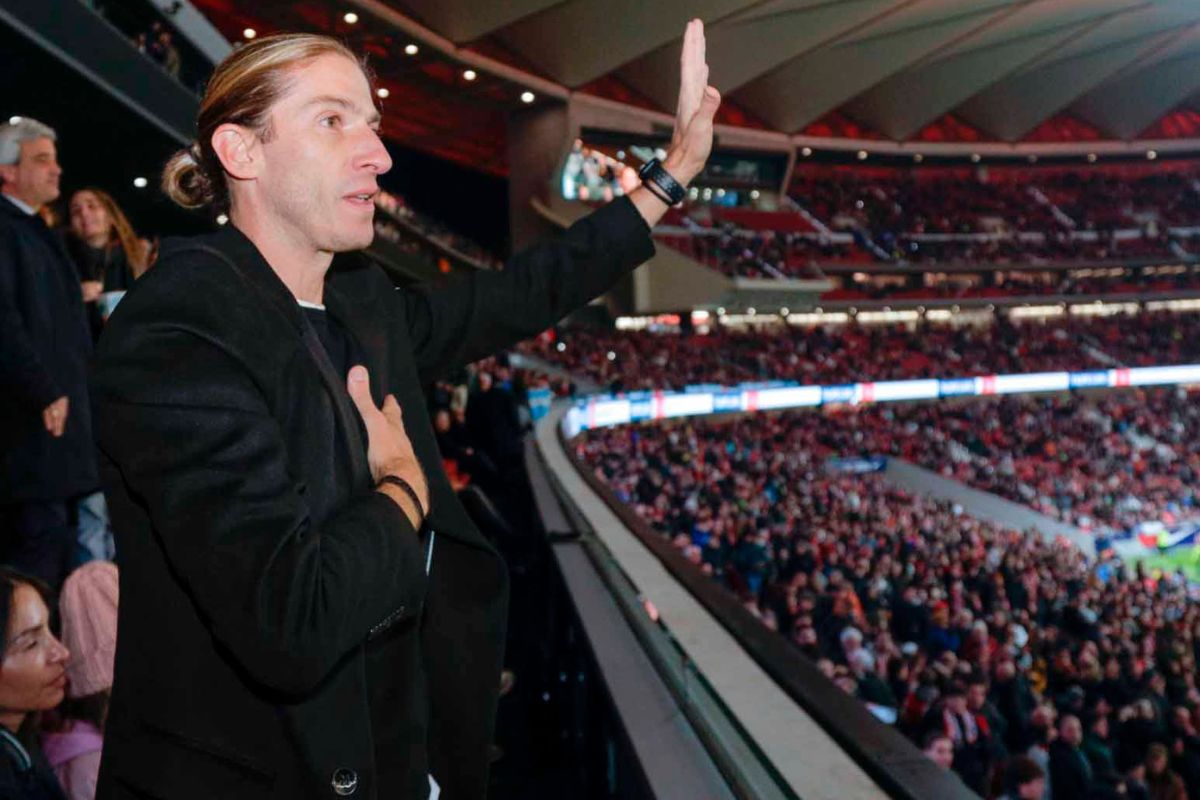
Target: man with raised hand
306, 608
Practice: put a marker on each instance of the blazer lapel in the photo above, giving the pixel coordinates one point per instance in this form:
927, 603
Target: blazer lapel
343, 408
232, 247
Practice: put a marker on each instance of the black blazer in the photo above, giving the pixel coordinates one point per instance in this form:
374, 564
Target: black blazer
273, 607
45, 345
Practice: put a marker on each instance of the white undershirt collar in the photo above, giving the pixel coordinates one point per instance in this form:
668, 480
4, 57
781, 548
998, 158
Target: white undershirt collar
27, 209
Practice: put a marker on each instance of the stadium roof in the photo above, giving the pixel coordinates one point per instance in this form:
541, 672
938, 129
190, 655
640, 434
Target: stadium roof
964, 71
895, 66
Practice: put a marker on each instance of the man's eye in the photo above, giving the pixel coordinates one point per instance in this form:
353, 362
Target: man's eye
332, 121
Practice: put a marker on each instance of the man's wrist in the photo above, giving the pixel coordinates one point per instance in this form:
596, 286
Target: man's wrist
402, 499
676, 164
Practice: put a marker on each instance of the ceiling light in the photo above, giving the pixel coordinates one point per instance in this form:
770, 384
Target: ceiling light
754, 194
862, 155
469, 74
382, 92
351, 17
917, 157
975, 158
1032, 158
1151, 154
140, 182
806, 151
222, 219
527, 97
249, 33
1091, 158
411, 49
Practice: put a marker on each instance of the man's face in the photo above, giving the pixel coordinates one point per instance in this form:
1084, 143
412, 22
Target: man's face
1071, 731
1034, 790
976, 695
34, 178
322, 157
941, 752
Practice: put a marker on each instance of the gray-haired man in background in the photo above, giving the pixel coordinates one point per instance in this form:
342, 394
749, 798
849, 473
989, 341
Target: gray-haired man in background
48, 480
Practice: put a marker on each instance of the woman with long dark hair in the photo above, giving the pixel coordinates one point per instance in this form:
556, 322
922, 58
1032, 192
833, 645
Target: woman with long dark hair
33, 679
107, 252
88, 606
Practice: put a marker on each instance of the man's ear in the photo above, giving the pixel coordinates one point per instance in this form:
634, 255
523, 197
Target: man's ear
8, 173
238, 150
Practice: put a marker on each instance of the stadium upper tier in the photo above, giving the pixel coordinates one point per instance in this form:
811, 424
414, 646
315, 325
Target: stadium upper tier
836, 354
838, 220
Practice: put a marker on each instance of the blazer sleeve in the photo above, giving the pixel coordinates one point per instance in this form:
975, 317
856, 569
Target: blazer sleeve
287, 597
489, 311
21, 369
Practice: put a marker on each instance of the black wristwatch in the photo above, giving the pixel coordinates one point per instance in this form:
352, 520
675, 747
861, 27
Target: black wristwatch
659, 181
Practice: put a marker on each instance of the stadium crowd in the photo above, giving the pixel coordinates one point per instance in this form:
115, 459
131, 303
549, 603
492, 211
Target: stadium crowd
637, 360
1018, 662
1105, 463
1015, 217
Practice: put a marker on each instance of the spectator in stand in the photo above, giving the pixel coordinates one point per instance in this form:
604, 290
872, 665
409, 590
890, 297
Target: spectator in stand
108, 254
939, 748
33, 679
51, 509
970, 735
1070, 770
89, 629
1023, 780
169, 53
1097, 746
1162, 781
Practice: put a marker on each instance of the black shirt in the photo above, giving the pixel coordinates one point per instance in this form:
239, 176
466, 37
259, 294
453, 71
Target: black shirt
399, 743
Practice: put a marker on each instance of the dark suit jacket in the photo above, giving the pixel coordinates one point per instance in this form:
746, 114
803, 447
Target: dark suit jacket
45, 346
1070, 772
267, 593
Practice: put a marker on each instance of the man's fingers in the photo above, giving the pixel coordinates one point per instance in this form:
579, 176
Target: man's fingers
358, 384
391, 410
693, 73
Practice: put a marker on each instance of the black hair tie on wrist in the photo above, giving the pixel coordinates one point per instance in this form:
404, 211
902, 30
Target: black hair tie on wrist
406, 487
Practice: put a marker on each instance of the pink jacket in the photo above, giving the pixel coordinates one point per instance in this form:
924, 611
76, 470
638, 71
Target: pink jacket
75, 756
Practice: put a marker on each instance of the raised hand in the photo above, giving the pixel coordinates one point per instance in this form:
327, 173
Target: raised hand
691, 141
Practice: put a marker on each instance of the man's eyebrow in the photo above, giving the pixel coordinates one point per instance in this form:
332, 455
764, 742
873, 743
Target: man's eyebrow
373, 118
